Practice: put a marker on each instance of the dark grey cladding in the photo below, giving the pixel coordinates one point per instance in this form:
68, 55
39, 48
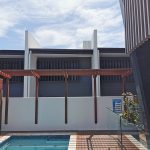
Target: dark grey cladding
61, 51
11, 52
140, 59
111, 50
136, 14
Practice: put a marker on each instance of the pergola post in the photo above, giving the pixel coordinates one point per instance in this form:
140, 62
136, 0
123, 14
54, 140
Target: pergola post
36, 100
95, 99
123, 84
66, 99
1, 103
7, 100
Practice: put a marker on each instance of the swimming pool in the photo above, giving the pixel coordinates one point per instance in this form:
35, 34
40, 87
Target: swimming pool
50, 142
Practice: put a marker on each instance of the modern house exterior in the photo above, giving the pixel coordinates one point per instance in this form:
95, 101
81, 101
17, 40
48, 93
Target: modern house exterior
51, 88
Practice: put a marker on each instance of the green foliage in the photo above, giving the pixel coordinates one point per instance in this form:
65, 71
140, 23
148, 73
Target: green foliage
131, 108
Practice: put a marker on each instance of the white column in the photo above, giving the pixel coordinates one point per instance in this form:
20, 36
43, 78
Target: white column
26, 58
96, 62
30, 63
30, 55
31, 80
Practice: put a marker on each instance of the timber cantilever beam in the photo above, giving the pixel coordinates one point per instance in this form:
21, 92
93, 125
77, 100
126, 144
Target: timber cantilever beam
5, 75
35, 74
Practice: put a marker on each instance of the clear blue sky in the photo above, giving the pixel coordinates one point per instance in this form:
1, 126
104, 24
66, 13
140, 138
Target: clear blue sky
60, 23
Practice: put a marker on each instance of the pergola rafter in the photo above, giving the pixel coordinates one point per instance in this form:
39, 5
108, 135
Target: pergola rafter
1, 102
66, 73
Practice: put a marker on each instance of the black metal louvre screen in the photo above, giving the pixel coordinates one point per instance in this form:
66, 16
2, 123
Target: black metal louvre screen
12, 63
16, 83
58, 63
112, 85
110, 63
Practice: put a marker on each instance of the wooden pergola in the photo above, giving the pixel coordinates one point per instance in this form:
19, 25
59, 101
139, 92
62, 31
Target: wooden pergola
8, 74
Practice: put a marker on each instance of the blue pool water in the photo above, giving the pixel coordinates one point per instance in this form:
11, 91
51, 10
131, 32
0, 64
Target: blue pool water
53, 142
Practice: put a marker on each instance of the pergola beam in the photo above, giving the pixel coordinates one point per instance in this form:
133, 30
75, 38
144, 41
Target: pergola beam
70, 72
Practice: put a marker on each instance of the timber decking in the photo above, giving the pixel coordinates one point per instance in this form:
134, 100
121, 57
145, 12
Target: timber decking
105, 142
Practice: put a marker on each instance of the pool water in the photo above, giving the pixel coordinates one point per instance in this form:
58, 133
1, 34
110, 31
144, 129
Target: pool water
53, 142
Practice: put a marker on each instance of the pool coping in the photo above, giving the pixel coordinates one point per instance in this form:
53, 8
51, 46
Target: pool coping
4, 138
72, 142
136, 142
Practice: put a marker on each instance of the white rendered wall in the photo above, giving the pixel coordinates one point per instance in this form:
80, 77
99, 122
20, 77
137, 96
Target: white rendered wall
51, 114
32, 43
